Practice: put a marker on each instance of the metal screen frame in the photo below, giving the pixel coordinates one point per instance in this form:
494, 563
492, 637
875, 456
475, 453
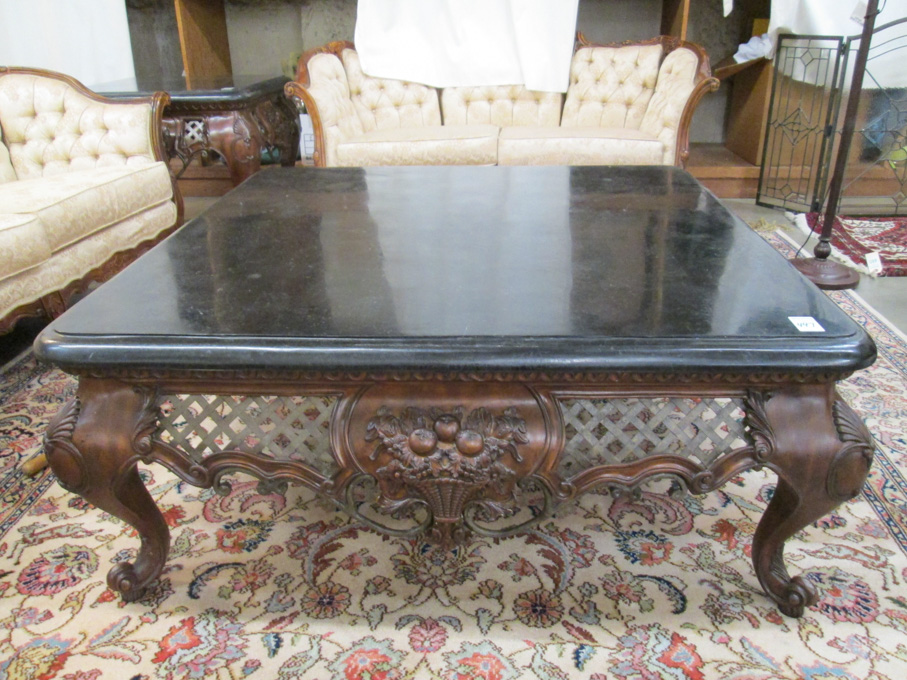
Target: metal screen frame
794, 132
803, 113
883, 131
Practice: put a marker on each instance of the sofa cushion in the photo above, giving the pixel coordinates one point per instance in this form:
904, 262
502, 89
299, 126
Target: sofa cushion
611, 86
504, 106
50, 127
74, 205
578, 146
23, 244
7, 172
447, 145
385, 103
79, 259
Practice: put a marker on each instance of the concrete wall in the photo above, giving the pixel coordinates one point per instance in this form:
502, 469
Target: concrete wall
605, 21
155, 41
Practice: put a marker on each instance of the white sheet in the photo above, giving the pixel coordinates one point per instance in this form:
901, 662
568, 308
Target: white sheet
833, 18
85, 39
828, 17
450, 43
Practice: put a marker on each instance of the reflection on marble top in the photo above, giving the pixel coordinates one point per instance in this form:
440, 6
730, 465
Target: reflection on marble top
211, 86
557, 264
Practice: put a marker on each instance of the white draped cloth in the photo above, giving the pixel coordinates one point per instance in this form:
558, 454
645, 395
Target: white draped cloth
452, 43
85, 39
833, 18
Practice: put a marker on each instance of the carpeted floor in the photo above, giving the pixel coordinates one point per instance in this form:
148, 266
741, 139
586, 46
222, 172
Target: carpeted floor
854, 238
274, 586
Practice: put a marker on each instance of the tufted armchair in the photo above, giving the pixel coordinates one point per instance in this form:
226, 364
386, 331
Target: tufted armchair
630, 103
84, 188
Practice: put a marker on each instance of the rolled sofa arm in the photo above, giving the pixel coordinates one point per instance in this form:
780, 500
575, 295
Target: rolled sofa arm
322, 86
702, 83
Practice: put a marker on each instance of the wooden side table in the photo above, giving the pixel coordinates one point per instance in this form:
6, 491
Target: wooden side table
232, 117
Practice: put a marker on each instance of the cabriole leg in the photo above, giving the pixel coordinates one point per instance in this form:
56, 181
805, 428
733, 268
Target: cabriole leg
92, 446
822, 454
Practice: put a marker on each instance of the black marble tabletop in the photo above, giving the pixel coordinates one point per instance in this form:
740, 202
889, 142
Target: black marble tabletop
212, 89
466, 268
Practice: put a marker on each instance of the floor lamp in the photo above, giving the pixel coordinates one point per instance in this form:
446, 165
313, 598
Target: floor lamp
820, 270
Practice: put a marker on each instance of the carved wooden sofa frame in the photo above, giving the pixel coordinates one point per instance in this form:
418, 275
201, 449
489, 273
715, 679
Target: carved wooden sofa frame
54, 303
703, 83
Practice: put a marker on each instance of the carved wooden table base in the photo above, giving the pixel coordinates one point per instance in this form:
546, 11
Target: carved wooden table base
236, 131
448, 456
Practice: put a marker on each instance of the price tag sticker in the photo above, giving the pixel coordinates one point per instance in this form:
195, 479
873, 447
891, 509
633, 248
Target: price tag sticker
874, 262
806, 324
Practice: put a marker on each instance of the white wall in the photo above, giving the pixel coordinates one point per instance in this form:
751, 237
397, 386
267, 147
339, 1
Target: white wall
86, 39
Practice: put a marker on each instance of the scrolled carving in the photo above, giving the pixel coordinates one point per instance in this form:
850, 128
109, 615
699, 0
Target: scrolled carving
67, 460
759, 432
63, 426
273, 475
850, 466
703, 482
793, 595
146, 425
447, 460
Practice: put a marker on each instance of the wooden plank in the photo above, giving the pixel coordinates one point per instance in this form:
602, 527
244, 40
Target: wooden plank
723, 172
202, 26
203, 180
675, 16
748, 111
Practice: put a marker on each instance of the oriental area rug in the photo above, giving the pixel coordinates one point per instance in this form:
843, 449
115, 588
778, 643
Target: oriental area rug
853, 238
266, 586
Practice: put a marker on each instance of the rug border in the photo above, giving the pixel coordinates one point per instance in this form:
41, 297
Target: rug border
869, 308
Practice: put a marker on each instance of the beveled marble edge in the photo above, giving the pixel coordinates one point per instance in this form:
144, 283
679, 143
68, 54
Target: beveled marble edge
842, 354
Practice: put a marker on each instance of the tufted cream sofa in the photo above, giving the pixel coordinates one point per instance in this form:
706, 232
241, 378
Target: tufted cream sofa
83, 188
626, 104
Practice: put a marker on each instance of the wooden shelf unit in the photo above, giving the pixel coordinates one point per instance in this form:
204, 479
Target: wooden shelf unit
722, 171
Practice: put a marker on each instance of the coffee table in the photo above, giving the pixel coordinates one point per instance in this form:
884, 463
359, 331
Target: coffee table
430, 347
234, 116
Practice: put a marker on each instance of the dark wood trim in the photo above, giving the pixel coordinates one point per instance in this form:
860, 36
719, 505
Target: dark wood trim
451, 456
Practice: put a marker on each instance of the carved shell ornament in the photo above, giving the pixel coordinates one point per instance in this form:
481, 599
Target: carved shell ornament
446, 460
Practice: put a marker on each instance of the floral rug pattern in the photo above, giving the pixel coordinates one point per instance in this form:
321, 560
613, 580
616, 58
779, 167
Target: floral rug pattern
282, 586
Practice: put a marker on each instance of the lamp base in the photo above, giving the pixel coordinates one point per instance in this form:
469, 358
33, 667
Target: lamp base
827, 274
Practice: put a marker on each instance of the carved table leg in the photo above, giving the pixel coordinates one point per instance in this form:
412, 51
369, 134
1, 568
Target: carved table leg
93, 446
236, 137
285, 130
822, 454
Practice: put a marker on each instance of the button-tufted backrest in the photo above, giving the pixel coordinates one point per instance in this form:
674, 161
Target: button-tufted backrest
504, 106
676, 80
611, 86
7, 172
388, 104
50, 127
